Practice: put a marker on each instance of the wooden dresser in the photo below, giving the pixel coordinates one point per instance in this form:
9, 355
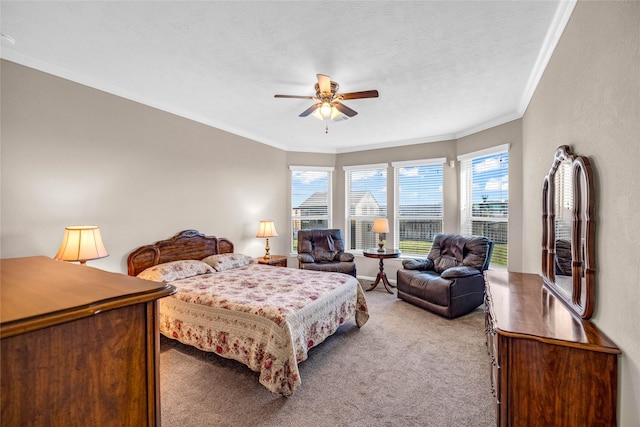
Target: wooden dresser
79, 346
548, 366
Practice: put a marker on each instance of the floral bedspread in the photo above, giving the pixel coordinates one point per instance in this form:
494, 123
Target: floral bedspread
265, 317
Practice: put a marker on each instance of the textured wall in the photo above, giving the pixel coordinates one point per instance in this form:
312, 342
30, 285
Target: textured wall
74, 155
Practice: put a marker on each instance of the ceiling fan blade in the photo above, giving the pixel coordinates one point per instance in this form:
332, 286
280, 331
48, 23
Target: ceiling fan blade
358, 95
344, 109
310, 110
294, 96
324, 82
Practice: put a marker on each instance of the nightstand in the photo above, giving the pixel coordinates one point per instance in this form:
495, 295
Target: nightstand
275, 260
382, 276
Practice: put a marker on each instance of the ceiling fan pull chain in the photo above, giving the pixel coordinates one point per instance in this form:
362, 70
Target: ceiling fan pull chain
326, 128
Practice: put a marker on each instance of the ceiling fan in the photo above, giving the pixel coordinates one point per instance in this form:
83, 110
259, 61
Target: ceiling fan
329, 106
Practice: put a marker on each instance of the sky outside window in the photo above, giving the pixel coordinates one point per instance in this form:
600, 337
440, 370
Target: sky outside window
305, 183
490, 177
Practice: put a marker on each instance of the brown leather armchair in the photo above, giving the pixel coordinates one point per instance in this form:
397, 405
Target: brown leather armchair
323, 250
449, 281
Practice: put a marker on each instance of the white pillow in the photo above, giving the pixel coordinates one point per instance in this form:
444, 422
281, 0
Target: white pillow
175, 270
223, 262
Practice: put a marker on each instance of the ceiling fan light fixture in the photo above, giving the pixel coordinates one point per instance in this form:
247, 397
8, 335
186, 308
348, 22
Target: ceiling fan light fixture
328, 106
326, 110
333, 115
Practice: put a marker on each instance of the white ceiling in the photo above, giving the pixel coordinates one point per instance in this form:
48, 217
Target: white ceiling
444, 69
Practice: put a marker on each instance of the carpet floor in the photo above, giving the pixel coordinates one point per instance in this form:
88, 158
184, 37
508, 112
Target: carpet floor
405, 367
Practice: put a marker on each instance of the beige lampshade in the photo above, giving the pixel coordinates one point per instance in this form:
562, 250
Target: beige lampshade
267, 229
81, 243
380, 225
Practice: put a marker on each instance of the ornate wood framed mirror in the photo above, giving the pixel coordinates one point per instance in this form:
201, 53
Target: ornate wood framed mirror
568, 231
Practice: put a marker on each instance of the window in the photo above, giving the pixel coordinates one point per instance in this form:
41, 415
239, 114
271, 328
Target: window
419, 204
484, 198
366, 190
310, 199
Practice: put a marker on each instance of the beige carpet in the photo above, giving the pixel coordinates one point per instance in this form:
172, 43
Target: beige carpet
405, 367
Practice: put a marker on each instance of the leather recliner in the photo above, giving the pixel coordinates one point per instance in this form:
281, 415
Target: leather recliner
450, 281
323, 250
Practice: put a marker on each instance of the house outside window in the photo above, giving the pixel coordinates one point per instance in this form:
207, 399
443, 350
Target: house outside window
419, 204
310, 199
366, 191
484, 198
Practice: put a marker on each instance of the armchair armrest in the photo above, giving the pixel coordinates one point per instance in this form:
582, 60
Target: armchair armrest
344, 257
461, 271
306, 258
417, 264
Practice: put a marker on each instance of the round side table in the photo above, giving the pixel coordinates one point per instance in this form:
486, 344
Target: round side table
382, 276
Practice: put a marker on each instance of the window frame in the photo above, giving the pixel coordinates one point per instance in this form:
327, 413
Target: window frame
348, 170
466, 198
397, 166
329, 216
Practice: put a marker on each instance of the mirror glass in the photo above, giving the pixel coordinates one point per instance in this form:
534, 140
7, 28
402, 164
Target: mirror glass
569, 231
563, 207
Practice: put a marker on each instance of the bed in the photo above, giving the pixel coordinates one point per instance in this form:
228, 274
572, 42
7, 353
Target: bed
262, 316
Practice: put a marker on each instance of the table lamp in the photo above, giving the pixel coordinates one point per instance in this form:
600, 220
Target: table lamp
267, 229
81, 243
380, 225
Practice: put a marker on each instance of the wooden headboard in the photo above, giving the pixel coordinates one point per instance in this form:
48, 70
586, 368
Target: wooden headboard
187, 244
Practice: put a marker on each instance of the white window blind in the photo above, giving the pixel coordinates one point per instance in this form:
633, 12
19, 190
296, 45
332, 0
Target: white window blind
310, 199
366, 190
484, 198
419, 205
